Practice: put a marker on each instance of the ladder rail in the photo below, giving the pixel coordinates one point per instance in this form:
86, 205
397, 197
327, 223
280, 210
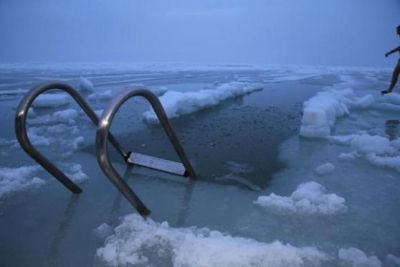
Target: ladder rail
23, 139
103, 133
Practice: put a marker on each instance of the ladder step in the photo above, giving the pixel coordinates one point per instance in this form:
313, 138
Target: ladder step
157, 164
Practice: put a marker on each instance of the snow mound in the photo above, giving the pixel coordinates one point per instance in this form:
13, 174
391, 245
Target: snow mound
18, 179
320, 112
357, 258
309, 198
50, 101
324, 169
137, 239
85, 84
178, 103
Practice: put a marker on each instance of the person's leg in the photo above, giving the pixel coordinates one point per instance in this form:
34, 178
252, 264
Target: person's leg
395, 77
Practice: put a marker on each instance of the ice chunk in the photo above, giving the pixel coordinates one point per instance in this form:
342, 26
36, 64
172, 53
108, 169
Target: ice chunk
178, 103
324, 169
66, 116
75, 173
137, 238
357, 258
365, 101
101, 96
308, 198
320, 112
365, 144
18, 179
85, 84
50, 101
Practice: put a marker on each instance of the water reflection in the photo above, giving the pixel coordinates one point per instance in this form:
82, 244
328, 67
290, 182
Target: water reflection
62, 229
392, 128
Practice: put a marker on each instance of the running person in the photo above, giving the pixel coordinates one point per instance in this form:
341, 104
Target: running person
396, 70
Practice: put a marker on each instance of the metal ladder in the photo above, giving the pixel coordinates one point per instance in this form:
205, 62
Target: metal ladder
102, 135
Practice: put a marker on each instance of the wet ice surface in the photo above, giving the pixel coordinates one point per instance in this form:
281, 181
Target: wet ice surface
265, 195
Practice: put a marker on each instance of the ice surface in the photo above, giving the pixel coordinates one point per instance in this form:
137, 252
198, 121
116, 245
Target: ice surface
18, 179
136, 239
50, 101
309, 198
363, 152
357, 258
85, 84
176, 104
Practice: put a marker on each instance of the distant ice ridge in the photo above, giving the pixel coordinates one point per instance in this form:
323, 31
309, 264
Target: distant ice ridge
309, 198
357, 258
139, 241
63, 116
51, 101
320, 112
18, 179
178, 103
101, 96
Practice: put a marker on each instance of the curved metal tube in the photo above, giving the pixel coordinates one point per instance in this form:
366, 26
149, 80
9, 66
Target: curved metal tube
22, 136
103, 131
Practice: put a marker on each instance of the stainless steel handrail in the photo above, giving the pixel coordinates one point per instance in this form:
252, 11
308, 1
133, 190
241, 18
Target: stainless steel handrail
22, 136
103, 132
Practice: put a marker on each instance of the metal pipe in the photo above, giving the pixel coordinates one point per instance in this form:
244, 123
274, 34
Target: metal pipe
103, 131
22, 136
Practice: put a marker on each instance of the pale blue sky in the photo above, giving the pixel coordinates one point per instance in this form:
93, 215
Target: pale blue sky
313, 32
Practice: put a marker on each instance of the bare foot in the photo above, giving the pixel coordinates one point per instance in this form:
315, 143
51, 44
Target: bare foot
385, 92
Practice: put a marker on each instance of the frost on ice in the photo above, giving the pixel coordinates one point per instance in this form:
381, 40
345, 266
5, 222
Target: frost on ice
309, 198
178, 103
18, 179
136, 239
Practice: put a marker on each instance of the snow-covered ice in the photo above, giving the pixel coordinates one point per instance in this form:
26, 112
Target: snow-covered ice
197, 247
330, 199
18, 179
176, 104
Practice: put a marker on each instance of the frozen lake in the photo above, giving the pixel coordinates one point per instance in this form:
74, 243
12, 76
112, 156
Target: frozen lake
299, 166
